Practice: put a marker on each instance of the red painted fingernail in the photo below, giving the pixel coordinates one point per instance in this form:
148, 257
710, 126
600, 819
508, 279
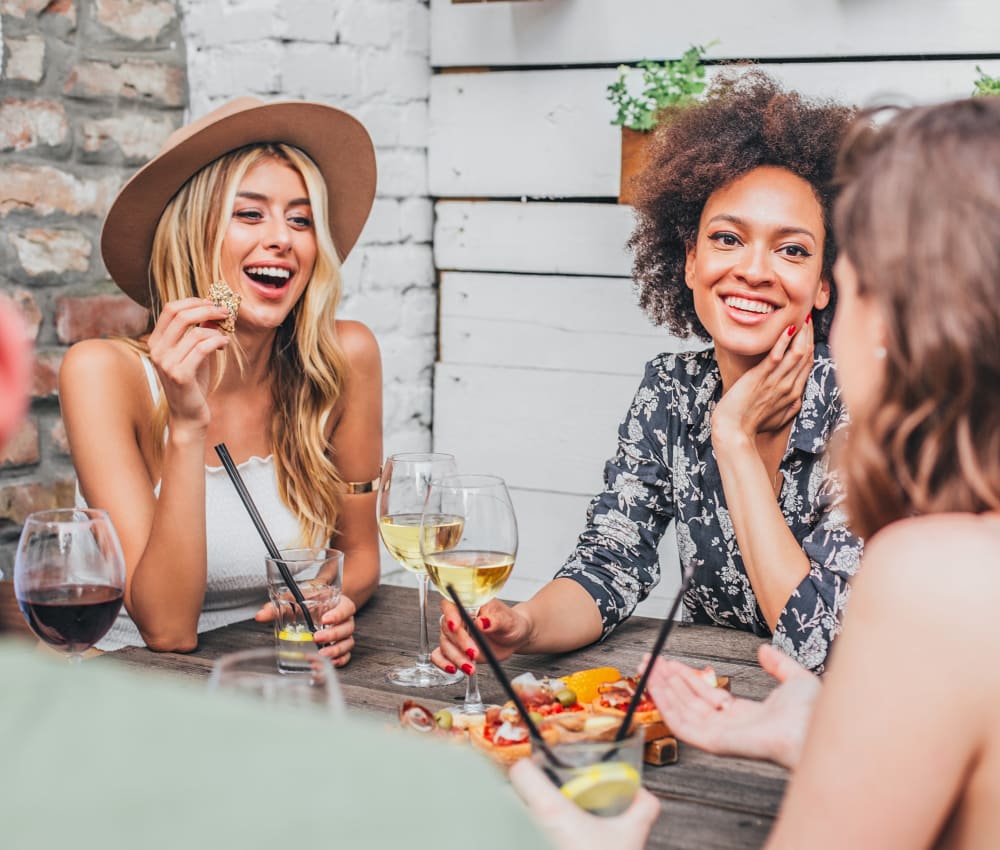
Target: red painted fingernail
467, 669
471, 653
791, 330
485, 622
809, 318
450, 668
451, 626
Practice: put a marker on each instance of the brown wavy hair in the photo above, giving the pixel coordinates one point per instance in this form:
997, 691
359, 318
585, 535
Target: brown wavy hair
745, 122
919, 219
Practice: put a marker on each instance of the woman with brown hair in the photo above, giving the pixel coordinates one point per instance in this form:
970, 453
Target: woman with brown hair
234, 236
902, 748
733, 247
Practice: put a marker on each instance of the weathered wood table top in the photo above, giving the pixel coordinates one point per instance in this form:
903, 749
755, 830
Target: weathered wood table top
707, 802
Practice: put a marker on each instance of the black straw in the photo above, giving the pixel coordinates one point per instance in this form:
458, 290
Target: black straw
272, 550
661, 639
502, 678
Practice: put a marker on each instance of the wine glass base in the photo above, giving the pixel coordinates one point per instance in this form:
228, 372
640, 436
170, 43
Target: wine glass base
422, 676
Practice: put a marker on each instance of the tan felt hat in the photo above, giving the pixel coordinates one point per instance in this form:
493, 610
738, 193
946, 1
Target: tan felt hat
335, 141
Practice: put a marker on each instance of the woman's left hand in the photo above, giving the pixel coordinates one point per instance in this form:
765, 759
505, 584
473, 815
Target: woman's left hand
767, 396
571, 828
335, 632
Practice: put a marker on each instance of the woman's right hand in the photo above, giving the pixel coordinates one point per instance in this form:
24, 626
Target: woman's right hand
179, 348
507, 630
715, 721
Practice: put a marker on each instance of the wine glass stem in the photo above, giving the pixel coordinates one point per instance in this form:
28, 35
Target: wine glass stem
424, 656
473, 701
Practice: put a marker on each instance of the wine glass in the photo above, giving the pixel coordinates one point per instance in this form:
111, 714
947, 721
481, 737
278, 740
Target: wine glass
257, 673
478, 561
402, 492
69, 577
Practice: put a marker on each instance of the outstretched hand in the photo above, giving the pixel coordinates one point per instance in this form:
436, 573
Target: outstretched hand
504, 627
571, 828
717, 722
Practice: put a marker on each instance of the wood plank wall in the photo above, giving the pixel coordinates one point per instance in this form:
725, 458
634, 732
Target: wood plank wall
541, 342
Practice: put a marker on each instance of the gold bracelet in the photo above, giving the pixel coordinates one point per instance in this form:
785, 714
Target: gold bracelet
352, 488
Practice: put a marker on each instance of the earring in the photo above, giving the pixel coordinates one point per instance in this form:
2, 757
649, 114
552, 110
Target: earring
880, 352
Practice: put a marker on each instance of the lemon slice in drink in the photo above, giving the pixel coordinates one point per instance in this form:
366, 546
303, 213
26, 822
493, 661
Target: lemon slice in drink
296, 635
604, 789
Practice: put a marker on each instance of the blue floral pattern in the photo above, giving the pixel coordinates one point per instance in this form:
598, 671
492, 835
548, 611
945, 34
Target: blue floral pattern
665, 469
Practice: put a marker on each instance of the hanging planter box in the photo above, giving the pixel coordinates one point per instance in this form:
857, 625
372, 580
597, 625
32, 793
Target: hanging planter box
635, 154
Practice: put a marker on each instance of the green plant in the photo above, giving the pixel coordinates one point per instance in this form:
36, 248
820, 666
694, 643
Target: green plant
986, 84
668, 83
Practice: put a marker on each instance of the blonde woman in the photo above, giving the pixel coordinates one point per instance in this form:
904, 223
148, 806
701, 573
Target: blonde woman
267, 199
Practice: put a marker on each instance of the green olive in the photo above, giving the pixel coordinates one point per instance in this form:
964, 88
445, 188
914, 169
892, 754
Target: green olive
566, 698
536, 717
444, 719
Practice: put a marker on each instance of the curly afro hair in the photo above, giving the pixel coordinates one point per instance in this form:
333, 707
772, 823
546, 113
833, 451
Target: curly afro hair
745, 122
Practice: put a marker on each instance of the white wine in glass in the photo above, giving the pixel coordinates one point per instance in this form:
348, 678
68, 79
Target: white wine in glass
478, 563
401, 496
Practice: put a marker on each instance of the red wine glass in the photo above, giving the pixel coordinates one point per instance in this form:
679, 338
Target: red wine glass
69, 577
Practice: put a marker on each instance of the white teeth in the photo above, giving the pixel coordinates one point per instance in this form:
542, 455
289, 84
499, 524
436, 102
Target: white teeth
269, 271
747, 304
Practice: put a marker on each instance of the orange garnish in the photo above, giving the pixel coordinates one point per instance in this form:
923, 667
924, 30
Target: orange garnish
584, 683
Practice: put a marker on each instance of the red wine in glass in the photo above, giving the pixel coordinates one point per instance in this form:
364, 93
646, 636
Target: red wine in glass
71, 617
69, 577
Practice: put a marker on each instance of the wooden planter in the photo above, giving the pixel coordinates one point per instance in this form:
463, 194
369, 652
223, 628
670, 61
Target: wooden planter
635, 151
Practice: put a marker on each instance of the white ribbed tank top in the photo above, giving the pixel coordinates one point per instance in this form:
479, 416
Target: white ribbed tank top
237, 584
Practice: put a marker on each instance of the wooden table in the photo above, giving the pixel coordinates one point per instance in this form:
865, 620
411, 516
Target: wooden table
708, 802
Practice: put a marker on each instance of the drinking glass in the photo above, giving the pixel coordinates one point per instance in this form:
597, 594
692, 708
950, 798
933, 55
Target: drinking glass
255, 673
402, 492
478, 560
318, 573
601, 777
69, 577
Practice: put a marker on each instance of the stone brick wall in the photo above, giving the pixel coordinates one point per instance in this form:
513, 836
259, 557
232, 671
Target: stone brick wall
88, 91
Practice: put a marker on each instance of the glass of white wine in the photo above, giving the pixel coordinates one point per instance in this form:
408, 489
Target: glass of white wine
478, 561
401, 495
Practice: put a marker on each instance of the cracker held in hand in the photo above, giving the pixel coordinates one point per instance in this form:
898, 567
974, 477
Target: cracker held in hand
223, 296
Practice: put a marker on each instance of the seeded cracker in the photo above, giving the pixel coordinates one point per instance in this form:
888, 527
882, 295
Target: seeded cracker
223, 296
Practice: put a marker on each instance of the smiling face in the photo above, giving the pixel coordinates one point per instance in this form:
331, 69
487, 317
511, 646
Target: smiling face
756, 266
269, 248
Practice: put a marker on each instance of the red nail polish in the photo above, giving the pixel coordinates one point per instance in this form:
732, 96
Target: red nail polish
451, 626
467, 669
450, 668
485, 622
791, 330
471, 653
809, 318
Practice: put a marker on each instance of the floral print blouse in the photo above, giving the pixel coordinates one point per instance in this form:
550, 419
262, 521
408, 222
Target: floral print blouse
665, 469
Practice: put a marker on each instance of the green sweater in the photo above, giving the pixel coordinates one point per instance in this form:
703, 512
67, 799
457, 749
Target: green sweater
96, 757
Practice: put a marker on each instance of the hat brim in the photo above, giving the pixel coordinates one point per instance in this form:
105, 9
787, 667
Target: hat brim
337, 142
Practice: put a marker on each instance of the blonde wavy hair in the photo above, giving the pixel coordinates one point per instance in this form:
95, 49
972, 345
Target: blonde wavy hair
307, 364
919, 219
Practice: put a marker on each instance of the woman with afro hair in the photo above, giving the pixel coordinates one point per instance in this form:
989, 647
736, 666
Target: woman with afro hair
732, 246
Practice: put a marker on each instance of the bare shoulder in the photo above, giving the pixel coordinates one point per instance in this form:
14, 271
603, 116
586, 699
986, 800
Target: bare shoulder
360, 346
942, 566
103, 371
934, 542
100, 361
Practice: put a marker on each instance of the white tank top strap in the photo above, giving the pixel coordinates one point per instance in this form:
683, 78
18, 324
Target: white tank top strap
154, 387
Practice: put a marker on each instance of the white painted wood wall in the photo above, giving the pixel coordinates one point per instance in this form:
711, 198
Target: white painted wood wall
541, 342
